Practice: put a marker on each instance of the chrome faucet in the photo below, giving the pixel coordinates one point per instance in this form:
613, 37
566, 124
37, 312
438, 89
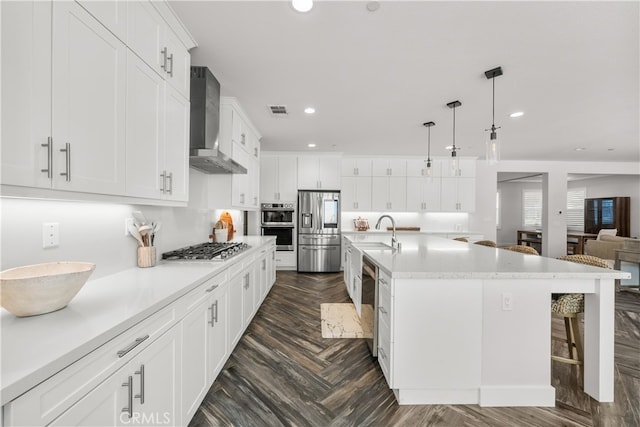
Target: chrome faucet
394, 242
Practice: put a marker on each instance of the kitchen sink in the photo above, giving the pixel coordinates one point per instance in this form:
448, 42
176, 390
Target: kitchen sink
372, 245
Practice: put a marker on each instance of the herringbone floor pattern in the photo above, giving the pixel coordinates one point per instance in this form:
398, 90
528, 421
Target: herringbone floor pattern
283, 373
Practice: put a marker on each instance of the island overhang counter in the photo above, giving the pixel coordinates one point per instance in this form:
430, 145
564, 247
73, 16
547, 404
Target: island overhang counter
469, 324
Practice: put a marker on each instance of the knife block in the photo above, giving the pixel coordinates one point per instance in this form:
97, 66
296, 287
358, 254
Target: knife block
146, 256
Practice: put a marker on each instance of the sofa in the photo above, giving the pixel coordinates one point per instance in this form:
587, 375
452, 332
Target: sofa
604, 247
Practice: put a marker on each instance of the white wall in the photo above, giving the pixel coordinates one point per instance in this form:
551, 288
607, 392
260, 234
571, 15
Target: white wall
511, 210
94, 232
427, 221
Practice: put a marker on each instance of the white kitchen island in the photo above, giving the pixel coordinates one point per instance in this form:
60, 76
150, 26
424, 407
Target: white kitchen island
466, 324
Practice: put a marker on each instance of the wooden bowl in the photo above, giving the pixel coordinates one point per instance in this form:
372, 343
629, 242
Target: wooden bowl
42, 288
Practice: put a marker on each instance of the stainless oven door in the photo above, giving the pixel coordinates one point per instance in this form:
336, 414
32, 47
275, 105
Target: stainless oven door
284, 236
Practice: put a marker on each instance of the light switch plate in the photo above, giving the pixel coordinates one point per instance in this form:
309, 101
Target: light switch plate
50, 234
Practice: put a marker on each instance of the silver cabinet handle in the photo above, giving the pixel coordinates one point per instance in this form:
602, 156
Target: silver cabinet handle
384, 282
163, 175
141, 395
129, 408
67, 151
211, 289
170, 178
264, 264
170, 71
49, 169
164, 59
215, 317
242, 198
246, 281
382, 310
131, 346
211, 318
243, 139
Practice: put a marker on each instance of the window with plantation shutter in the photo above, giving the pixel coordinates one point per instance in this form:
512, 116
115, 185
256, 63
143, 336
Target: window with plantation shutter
575, 208
532, 208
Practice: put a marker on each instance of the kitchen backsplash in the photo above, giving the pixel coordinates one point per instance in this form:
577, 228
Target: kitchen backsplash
94, 232
428, 221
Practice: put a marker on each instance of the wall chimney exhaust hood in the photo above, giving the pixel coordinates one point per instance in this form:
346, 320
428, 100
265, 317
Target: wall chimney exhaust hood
204, 153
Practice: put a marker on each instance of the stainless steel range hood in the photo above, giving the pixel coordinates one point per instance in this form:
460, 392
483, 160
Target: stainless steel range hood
204, 154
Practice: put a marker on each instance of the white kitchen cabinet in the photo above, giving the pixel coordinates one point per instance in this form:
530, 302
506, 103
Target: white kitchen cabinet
389, 194
157, 136
278, 178
89, 76
236, 316
151, 39
111, 14
356, 279
236, 129
353, 166
423, 194
319, 173
356, 194
145, 388
458, 194
346, 264
217, 323
389, 167
466, 167
26, 114
248, 296
245, 187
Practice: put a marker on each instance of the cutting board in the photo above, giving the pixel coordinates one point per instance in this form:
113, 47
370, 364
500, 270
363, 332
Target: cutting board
404, 228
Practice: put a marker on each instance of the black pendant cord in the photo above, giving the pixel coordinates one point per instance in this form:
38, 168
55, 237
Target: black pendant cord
429, 146
453, 153
493, 103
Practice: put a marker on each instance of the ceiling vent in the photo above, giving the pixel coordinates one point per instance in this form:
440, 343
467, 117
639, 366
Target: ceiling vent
278, 110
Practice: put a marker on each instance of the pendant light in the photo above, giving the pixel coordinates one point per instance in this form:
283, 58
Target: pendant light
428, 170
493, 143
455, 169
302, 6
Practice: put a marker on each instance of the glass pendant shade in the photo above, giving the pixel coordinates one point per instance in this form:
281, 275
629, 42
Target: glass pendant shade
455, 164
493, 148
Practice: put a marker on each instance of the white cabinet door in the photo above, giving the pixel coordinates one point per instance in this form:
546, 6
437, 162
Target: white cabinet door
287, 178
393, 167
146, 34
423, 194
178, 70
176, 145
26, 93
248, 299
356, 194
269, 179
389, 194
329, 173
318, 173
112, 14
195, 343
417, 167
356, 167
145, 129
458, 194
89, 75
308, 169
217, 325
236, 317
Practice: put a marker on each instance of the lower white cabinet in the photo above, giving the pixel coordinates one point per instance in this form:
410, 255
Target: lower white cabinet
236, 317
144, 391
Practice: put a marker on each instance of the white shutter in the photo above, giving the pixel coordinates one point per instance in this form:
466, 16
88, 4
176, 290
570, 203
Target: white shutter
575, 208
532, 208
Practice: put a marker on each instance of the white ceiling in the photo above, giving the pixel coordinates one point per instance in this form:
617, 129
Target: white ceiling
374, 78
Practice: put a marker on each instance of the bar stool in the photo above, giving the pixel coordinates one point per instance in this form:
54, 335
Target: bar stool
489, 243
461, 239
522, 249
568, 307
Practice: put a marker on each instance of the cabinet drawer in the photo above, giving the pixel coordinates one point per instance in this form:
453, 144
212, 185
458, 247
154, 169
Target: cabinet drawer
384, 350
384, 305
194, 297
384, 283
43, 403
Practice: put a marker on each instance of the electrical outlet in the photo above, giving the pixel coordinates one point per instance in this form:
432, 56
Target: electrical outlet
127, 222
507, 301
50, 234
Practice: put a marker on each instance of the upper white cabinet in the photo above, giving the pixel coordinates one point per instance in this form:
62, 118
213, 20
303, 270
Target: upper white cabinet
352, 166
149, 36
89, 87
319, 172
278, 178
389, 194
418, 167
26, 114
466, 168
356, 193
112, 14
389, 167
236, 130
176, 145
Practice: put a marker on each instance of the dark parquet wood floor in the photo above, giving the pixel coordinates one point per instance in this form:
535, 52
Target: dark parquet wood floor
283, 373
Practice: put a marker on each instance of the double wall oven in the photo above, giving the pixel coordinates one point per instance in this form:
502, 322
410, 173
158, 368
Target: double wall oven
278, 219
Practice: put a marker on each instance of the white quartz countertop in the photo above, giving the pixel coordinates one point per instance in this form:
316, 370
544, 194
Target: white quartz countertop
34, 348
433, 257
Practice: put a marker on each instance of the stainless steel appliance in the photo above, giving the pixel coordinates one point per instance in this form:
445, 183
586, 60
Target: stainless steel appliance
205, 123
216, 251
318, 231
369, 297
278, 219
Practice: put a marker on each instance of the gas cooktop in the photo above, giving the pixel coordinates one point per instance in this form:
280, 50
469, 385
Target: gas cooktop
216, 251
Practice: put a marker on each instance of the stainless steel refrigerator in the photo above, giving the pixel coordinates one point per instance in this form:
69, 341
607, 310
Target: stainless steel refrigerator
319, 231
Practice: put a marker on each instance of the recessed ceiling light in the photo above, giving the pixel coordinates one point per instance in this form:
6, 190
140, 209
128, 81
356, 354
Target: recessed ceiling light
580, 149
372, 6
611, 149
302, 5
309, 110
516, 114
311, 145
